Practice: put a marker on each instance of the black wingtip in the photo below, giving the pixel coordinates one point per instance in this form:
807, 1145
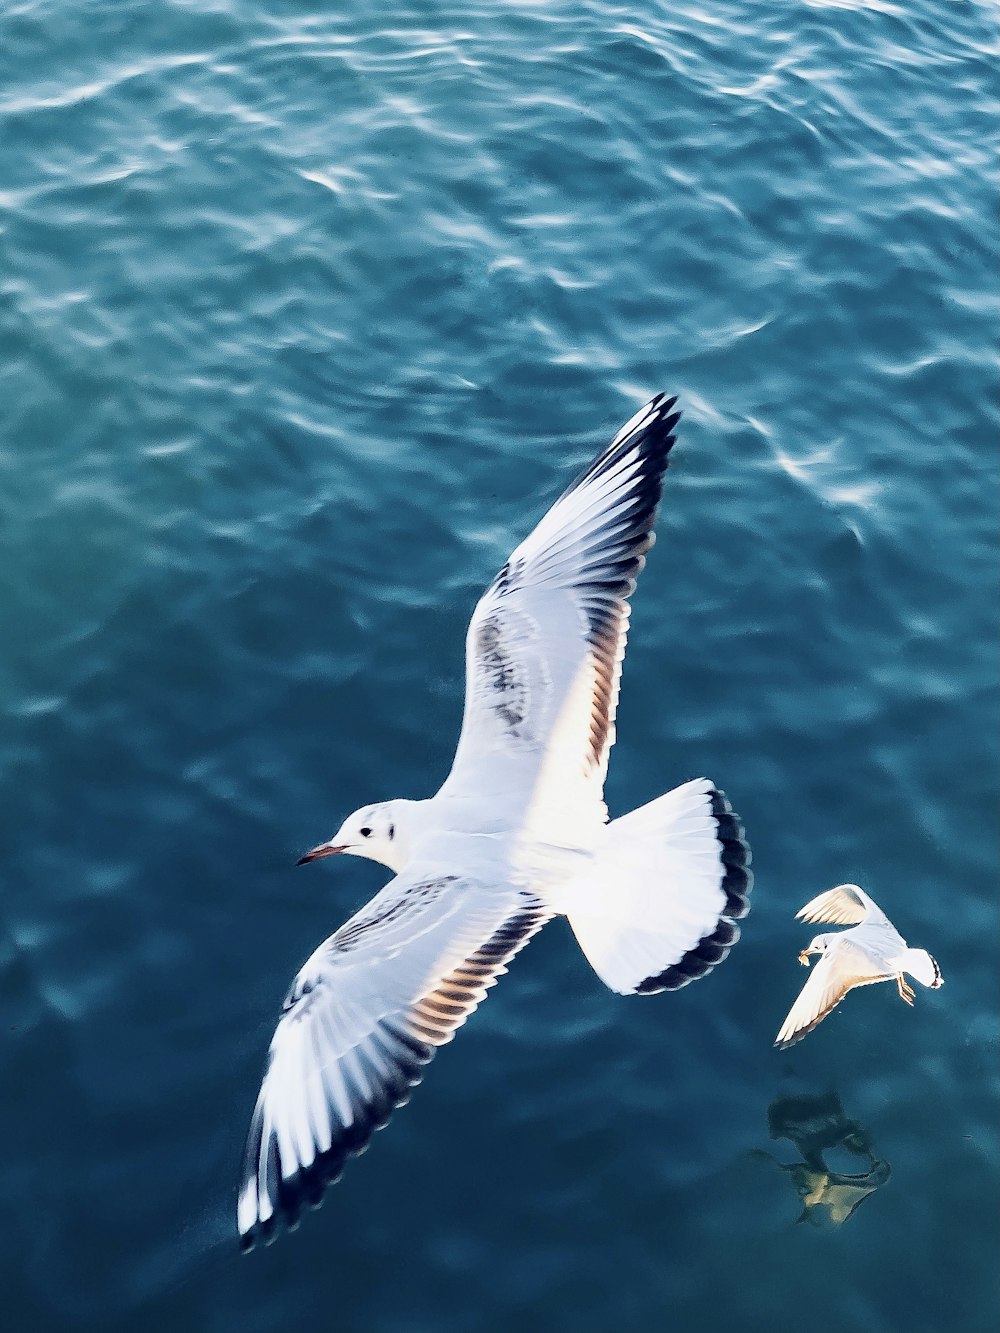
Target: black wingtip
651, 431
653, 435
661, 403
657, 421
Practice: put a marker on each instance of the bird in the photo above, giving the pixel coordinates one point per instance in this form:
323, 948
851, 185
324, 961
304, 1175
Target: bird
873, 950
517, 834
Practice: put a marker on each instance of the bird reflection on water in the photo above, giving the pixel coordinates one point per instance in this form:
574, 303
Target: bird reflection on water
815, 1125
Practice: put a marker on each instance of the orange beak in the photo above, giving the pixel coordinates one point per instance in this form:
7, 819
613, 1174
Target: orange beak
317, 853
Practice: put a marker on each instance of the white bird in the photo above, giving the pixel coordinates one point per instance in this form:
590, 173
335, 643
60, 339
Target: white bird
872, 951
517, 834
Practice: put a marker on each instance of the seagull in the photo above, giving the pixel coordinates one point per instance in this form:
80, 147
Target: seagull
518, 833
872, 951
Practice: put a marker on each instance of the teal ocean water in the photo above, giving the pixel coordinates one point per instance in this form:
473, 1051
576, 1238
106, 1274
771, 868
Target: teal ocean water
306, 315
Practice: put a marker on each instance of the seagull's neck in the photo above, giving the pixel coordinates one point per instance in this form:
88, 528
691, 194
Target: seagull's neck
438, 819
410, 822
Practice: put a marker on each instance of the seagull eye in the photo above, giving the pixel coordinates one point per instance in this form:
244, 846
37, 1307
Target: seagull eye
392, 832
366, 833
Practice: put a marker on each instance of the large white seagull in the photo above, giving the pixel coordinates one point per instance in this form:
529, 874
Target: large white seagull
519, 833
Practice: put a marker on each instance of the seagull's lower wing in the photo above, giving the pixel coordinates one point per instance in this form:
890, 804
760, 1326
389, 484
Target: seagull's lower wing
547, 639
838, 971
361, 1019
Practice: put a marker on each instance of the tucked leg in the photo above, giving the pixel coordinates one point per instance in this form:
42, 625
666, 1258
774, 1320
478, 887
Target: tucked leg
906, 992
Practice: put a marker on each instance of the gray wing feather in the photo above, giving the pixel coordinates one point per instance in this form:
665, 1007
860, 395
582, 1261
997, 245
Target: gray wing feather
361, 1019
845, 905
546, 640
843, 967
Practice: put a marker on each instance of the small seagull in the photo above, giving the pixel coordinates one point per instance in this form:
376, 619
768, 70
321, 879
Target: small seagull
518, 833
872, 951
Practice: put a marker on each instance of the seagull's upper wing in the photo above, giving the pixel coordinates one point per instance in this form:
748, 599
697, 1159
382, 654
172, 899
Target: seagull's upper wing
844, 966
846, 905
546, 641
361, 1019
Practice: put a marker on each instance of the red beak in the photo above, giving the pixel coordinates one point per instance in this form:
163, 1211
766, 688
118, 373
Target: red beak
317, 853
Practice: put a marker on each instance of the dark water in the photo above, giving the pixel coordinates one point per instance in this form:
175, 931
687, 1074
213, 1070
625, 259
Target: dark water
304, 318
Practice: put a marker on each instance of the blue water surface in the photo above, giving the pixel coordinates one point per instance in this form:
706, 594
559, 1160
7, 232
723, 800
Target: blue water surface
307, 313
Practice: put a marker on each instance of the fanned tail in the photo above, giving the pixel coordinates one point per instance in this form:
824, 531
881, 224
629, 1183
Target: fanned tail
924, 968
658, 909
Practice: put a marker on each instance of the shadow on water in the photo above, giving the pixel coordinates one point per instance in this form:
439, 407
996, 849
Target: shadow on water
817, 1125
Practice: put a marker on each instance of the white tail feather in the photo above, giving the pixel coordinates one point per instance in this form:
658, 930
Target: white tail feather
922, 967
657, 907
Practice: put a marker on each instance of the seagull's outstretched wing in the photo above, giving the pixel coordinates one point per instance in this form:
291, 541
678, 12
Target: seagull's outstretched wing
546, 641
846, 905
361, 1019
843, 967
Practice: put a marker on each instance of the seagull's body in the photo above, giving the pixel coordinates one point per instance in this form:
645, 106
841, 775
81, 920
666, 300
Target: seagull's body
518, 833
872, 950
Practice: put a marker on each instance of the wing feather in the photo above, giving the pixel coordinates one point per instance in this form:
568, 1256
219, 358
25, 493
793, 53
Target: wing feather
842, 968
361, 1019
845, 905
547, 639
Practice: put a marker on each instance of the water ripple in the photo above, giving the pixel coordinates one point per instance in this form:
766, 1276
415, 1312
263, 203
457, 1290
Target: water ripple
305, 316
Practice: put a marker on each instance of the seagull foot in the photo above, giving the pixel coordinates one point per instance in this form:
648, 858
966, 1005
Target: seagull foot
906, 993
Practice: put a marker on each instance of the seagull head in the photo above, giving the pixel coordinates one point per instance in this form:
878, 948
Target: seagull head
376, 832
819, 945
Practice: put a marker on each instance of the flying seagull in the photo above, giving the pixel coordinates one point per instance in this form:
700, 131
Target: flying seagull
518, 833
872, 951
